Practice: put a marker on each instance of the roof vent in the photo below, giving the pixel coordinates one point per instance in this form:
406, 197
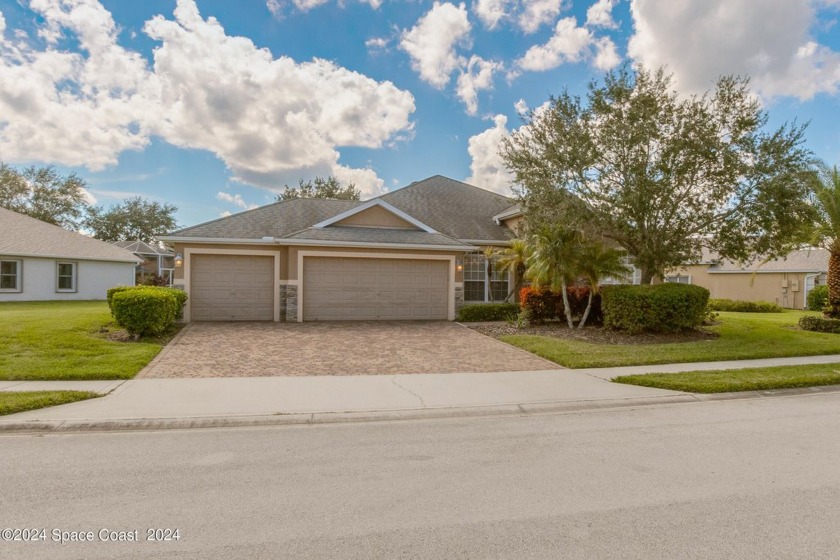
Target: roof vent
268, 238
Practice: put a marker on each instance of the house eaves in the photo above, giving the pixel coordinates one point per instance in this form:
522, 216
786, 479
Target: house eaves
319, 243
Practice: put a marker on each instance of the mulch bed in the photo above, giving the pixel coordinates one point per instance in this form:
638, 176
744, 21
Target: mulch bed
591, 334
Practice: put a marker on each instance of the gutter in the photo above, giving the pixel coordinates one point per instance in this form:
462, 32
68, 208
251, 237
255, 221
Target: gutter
316, 243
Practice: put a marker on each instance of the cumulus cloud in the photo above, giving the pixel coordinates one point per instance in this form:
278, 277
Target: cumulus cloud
599, 14
278, 7
770, 41
235, 199
570, 44
433, 40
491, 12
376, 43
487, 170
477, 76
271, 120
536, 13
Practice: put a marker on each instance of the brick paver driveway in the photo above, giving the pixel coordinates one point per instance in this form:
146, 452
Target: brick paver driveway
264, 349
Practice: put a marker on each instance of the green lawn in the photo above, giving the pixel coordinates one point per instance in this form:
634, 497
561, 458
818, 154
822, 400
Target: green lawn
61, 340
741, 336
752, 379
12, 401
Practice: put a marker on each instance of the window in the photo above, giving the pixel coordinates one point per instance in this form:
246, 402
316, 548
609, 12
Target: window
66, 280
679, 279
632, 277
10, 273
479, 287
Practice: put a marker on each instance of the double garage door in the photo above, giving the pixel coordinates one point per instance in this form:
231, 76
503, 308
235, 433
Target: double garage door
240, 288
342, 289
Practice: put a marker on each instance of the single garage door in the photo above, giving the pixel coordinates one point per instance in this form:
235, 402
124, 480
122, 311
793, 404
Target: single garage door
231, 288
343, 289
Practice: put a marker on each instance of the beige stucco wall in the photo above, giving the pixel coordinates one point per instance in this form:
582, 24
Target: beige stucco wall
283, 251
293, 255
514, 223
376, 216
762, 286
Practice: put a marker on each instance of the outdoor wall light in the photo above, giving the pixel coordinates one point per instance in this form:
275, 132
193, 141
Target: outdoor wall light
179, 260
459, 264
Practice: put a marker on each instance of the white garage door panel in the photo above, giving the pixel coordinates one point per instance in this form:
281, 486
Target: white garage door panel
337, 289
232, 288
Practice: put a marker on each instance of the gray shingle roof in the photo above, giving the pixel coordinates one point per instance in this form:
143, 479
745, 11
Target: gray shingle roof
25, 236
375, 235
453, 208
275, 220
812, 260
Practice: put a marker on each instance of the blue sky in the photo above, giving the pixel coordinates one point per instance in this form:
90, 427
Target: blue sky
214, 105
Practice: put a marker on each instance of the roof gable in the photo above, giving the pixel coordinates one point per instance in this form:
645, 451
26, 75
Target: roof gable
385, 212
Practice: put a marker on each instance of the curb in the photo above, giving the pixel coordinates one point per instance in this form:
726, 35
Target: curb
318, 418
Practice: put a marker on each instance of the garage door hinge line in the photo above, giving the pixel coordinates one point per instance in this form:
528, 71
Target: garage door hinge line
409, 391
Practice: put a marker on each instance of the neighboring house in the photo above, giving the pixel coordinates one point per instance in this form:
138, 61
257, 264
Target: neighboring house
156, 261
40, 261
415, 253
784, 281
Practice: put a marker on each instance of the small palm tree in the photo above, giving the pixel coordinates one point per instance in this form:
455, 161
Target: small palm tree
554, 260
597, 261
514, 259
827, 233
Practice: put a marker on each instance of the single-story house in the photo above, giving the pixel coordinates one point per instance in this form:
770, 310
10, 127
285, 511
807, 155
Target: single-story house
155, 260
784, 281
411, 254
41, 261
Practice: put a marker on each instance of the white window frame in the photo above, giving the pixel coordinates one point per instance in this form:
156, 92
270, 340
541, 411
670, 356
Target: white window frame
676, 278
488, 281
18, 277
74, 277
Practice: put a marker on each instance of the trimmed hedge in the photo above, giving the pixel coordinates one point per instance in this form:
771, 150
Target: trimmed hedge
744, 306
817, 298
667, 307
542, 304
478, 312
819, 324
144, 311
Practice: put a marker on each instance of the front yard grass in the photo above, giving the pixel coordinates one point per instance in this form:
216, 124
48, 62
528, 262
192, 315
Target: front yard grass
741, 336
63, 340
12, 401
751, 379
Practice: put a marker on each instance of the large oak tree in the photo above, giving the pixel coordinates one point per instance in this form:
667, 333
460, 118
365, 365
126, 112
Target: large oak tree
662, 174
44, 194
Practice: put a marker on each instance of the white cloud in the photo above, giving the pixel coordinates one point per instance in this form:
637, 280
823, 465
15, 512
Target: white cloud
272, 121
478, 75
568, 44
376, 43
521, 106
771, 41
536, 13
277, 7
235, 199
225, 214
606, 56
491, 12
487, 169
599, 14
431, 43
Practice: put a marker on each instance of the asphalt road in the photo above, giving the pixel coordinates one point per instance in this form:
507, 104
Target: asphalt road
737, 479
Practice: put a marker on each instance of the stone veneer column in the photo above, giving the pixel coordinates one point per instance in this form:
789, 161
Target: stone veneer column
459, 299
282, 296
291, 303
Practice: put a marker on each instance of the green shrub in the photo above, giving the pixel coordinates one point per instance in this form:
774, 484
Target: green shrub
819, 324
818, 298
668, 307
145, 310
180, 295
744, 306
487, 312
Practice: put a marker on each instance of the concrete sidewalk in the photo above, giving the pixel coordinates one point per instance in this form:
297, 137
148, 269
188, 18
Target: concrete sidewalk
155, 403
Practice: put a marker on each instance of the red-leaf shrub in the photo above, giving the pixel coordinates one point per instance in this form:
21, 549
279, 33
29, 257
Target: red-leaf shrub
542, 304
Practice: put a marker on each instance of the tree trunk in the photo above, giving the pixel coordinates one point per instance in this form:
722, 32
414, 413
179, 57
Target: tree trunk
588, 308
566, 309
833, 282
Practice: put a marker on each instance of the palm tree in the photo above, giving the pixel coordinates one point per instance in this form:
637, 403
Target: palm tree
554, 260
597, 261
827, 234
514, 259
